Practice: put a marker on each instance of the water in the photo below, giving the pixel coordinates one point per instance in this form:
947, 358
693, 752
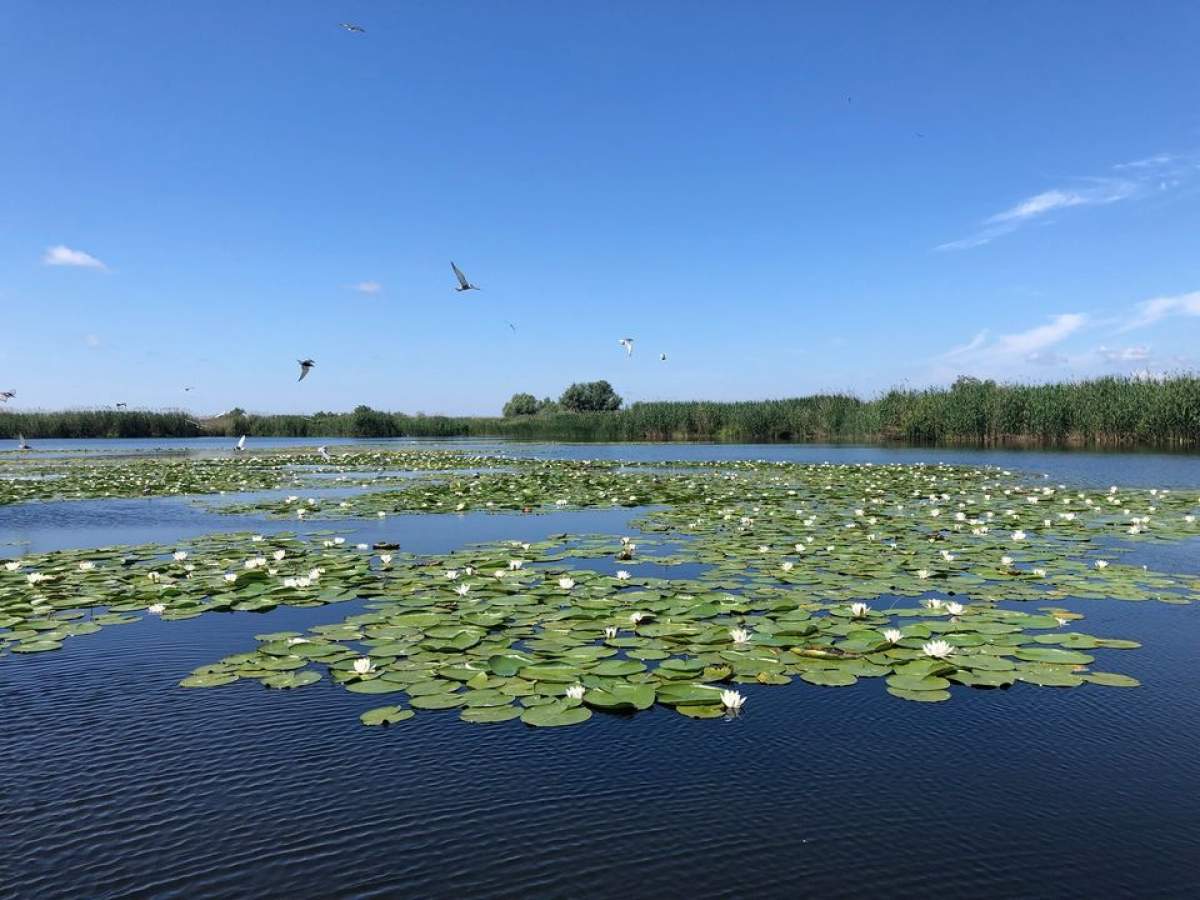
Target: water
118, 784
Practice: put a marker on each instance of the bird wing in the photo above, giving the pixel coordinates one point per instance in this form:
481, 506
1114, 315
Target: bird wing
241, 442
303, 372
462, 279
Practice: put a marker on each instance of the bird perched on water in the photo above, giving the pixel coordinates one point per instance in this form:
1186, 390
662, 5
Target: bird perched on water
305, 365
324, 453
352, 28
627, 343
662, 357
463, 284
122, 406
240, 445
22, 444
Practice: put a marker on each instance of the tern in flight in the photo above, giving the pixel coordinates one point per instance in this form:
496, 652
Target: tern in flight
324, 453
305, 365
662, 357
463, 284
122, 406
22, 444
352, 28
627, 343
240, 445
189, 389
5, 396
512, 326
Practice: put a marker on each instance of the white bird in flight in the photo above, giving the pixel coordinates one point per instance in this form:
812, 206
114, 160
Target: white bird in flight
22, 444
324, 453
463, 284
352, 28
305, 365
122, 405
5, 396
662, 357
627, 343
241, 444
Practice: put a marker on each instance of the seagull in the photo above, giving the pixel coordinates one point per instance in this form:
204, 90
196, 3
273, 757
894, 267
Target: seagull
324, 453
189, 389
627, 343
5, 396
241, 444
662, 357
122, 406
463, 284
22, 444
305, 365
352, 28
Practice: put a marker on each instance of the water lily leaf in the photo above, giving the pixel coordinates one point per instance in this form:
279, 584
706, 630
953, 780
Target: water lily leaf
386, 715
1111, 679
553, 715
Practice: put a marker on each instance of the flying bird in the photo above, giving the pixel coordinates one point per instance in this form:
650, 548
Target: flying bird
22, 444
662, 357
305, 365
5, 396
463, 284
352, 28
512, 326
122, 406
189, 389
627, 343
241, 444
324, 453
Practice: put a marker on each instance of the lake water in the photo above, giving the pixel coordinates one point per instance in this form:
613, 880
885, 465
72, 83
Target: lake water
119, 784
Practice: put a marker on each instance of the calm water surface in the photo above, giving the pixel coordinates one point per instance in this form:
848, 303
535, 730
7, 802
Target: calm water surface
115, 783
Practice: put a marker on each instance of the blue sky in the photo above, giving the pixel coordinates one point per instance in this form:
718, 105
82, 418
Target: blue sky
785, 198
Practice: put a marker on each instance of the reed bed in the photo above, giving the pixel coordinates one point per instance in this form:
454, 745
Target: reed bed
1098, 412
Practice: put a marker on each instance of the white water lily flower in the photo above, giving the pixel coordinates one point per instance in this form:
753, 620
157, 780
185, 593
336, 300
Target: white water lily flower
636, 617
858, 610
381, 514
156, 609
787, 566
1040, 573
385, 558
462, 590
1061, 621
954, 609
1006, 561
180, 555
515, 564
1018, 535
452, 574
892, 635
610, 632
363, 666
560, 502
622, 575
932, 603
1189, 519
1102, 564
279, 555
298, 640
362, 546
566, 583
739, 635
937, 649
12, 566
732, 700
923, 574
153, 576
230, 577
947, 556
575, 692
258, 537
86, 566
763, 548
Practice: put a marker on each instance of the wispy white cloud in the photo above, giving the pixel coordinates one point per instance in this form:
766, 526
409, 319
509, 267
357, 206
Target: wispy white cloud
1138, 353
61, 255
1034, 345
91, 340
1162, 172
368, 287
1152, 311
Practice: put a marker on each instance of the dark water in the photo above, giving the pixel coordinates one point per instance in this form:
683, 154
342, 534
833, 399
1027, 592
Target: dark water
116, 783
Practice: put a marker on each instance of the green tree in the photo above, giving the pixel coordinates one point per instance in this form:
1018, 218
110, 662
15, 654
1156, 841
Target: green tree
590, 396
521, 405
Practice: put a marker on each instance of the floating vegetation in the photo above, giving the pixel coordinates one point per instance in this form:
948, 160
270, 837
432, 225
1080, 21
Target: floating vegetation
825, 575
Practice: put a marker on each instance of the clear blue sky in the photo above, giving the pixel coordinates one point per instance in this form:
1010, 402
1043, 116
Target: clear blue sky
783, 197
